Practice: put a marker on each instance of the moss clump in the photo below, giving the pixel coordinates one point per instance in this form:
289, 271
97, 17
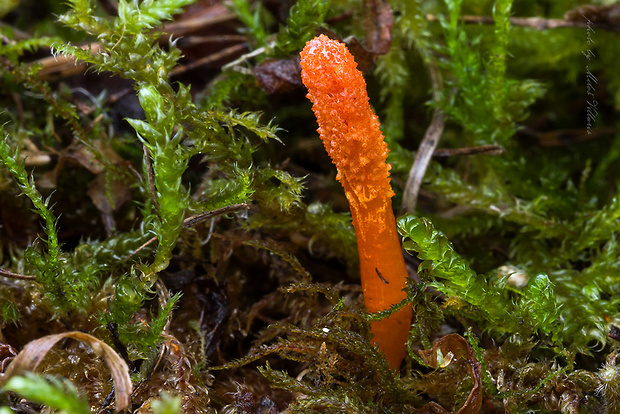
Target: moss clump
164, 202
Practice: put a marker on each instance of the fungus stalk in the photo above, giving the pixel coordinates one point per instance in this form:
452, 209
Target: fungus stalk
350, 132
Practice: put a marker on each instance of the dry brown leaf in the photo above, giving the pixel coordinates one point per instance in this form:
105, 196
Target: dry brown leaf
607, 14
108, 194
33, 353
119, 190
279, 75
445, 351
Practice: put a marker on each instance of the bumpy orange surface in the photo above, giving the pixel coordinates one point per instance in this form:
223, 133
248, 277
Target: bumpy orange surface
350, 132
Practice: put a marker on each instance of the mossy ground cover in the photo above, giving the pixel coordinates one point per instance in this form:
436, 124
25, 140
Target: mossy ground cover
169, 217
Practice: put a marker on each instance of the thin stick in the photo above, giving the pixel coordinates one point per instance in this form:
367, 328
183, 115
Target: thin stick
199, 218
427, 146
12, 275
482, 149
224, 53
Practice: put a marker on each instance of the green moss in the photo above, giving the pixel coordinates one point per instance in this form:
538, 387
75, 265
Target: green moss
519, 250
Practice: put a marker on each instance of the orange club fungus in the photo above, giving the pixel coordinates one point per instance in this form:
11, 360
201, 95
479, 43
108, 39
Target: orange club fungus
350, 132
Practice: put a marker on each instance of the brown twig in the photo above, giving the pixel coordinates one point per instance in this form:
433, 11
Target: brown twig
538, 23
224, 53
199, 218
214, 16
482, 149
19, 276
17, 34
193, 41
62, 66
562, 137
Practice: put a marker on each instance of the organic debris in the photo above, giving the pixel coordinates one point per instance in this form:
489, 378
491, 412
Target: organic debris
173, 237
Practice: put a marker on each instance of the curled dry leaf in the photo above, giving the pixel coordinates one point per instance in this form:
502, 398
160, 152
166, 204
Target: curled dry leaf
33, 353
278, 75
7, 354
445, 351
283, 75
598, 14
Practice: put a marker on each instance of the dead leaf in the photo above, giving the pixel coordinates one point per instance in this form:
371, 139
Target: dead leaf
108, 194
7, 354
87, 158
119, 191
445, 351
609, 14
363, 57
33, 353
279, 75
282, 75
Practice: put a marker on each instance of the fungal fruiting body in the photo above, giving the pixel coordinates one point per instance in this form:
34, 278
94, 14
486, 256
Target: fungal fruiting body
350, 132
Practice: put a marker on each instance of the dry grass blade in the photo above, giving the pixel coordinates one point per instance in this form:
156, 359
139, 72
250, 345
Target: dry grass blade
423, 158
33, 353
